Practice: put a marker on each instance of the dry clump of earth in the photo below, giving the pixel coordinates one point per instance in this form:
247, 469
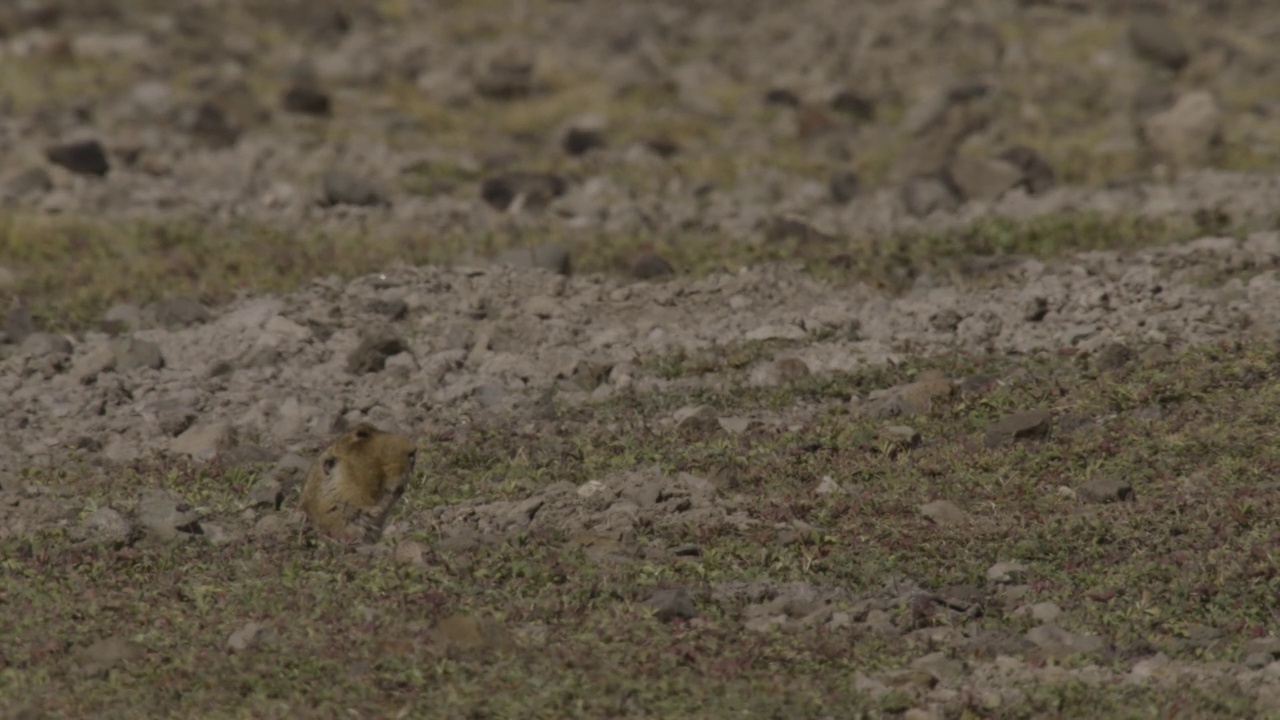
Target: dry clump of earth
531, 134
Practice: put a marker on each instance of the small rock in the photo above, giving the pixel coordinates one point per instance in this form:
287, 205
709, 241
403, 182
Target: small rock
1113, 356
663, 147
393, 309
843, 186
1006, 573
42, 344
215, 534
940, 666
783, 229
507, 77
739, 425
107, 525
1105, 490
306, 100
944, 512
1044, 612
411, 552
267, 493
854, 105
467, 633
782, 371
1187, 134
133, 354
204, 442
1154, 38
983, 179
172, 415
1035, 309
828, 486
1037, 174
1019, 426
548, 257
98, 659
180, 312
372, 353
84, 157
542, 306
18, 324
8, 280
210, 126
123, 317
164, 516
650, 266
899, 437
925, 196
671, 604
781, 97
914, 398
580, 141
1058, 643
521, 189
338, 187
250, 635
945, 320
32, 181
1266, 646
274, 525
700, 418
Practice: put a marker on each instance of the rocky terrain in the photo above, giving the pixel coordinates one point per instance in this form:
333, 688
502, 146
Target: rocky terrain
816, 359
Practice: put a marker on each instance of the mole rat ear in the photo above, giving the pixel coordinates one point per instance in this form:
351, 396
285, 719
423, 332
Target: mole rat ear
364, 432
329, 464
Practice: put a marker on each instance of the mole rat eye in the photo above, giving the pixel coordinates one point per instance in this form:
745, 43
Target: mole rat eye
328, 465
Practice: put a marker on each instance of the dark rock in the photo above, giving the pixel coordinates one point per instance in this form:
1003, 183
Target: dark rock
1035, 309
579, 141
782, 97
84, 157
371, 355
536, 189
853, 104
650, 266
306, 100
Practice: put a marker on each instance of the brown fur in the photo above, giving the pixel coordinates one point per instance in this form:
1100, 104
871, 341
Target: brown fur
354, 484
